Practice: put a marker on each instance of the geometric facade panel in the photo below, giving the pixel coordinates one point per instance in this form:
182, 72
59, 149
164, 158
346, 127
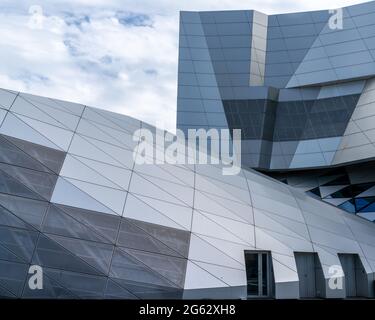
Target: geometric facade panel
102, 227
283, 80
73, 201
301, 91
351, 188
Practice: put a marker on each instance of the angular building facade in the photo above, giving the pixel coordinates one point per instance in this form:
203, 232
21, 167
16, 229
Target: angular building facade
300, 87
75, 205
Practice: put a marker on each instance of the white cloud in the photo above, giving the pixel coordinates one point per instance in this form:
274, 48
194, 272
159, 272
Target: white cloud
88, 51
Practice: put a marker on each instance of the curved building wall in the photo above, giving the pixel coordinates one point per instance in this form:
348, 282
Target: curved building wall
73, 202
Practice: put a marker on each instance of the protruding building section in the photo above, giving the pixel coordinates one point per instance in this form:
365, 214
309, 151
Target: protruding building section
299, 87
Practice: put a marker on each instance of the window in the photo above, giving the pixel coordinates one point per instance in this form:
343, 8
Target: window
259, 274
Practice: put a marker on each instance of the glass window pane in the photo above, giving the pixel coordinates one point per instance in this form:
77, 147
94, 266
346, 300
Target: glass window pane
264, 274
252, 274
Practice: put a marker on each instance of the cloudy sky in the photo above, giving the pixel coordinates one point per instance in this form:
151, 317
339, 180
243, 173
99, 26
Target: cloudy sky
120, 55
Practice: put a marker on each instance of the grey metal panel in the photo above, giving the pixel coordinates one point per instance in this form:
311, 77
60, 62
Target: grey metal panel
363, 281
216, 293
50, 158
28, 210
349, 267
306, 274
11, 154
320, 284
11, 277
41, 183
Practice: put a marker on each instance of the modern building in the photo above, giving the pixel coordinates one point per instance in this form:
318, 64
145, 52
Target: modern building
300, 86
74, 203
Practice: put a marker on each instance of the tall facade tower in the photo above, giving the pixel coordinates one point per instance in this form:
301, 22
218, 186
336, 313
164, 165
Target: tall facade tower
300, 87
